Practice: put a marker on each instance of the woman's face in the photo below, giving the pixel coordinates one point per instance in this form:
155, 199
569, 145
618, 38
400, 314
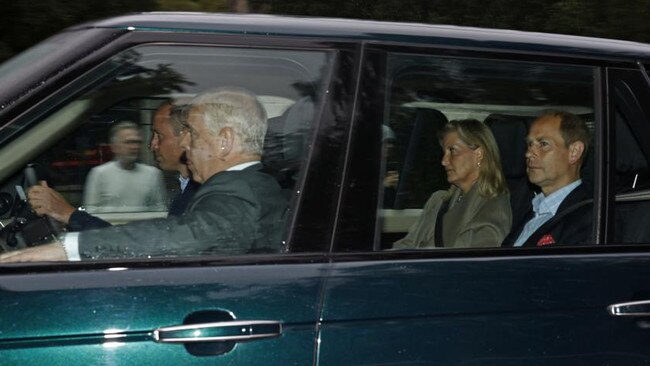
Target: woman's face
460, 161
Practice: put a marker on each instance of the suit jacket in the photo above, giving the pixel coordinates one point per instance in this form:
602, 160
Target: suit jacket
474, 221
81, 220
574, 227
233, 212
180, 202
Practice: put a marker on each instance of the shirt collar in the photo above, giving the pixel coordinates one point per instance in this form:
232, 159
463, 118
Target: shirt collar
183, 181
550, 204
243, 166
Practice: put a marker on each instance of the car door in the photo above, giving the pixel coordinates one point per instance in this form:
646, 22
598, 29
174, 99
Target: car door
117, 315
243, 309
475, 306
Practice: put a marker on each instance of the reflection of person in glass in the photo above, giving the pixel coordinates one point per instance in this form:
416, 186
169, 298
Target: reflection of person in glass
238, 209
124, 185
167, 124
475, 211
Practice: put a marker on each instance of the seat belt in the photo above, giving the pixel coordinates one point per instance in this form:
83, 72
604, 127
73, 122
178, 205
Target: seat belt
444, 207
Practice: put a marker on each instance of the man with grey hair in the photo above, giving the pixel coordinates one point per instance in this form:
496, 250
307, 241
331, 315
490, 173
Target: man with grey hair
238, 209
124, 185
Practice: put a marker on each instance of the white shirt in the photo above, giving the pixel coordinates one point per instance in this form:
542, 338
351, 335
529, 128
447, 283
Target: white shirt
183, 182
545, 207
111, 188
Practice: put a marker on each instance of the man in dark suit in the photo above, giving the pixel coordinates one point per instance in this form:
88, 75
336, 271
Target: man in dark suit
237, 210
562, 213
165, 144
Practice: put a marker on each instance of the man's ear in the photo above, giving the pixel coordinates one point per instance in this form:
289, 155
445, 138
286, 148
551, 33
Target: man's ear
226, 141
576, 150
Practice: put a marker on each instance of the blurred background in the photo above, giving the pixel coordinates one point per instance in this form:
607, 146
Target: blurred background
24, 23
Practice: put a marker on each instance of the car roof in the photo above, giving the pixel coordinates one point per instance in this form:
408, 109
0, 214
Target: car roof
366, 30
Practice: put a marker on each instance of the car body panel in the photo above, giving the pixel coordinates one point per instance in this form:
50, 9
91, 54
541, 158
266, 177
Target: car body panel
109, 315
485, 311
441, 35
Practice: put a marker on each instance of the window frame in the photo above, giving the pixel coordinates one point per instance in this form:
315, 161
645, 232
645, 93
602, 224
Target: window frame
366, 243
310, 233
615, 76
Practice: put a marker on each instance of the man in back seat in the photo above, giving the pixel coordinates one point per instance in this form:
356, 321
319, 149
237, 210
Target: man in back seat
562, 212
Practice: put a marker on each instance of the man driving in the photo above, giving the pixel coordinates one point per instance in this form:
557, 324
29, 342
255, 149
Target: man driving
167, 124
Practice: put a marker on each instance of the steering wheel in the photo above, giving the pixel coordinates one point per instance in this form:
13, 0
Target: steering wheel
26, 228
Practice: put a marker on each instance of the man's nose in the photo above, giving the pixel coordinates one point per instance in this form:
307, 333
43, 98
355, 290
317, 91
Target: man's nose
153, 144
530, 152
445, 160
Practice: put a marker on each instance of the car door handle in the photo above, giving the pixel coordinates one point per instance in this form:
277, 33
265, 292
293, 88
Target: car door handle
241, 330
634, 308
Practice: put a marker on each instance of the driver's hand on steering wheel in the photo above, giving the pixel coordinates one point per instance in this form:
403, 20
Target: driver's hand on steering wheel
46, 201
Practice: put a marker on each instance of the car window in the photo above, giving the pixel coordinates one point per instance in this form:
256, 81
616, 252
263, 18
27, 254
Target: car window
631, 174
422, 94
77, 142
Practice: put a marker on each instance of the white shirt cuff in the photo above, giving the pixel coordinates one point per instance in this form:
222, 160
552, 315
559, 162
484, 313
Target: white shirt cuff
71, 246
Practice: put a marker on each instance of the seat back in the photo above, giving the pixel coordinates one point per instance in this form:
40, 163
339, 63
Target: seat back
285, 144
418, 154
510, 134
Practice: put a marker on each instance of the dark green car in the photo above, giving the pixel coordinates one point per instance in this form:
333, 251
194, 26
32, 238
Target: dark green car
349, 103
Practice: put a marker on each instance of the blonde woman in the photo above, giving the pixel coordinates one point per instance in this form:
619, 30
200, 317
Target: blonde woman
475, 210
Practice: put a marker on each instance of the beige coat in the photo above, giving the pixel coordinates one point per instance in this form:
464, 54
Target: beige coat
470, 222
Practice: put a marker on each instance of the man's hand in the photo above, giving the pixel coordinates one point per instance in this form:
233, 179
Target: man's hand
42, 253
391, 179
46, 201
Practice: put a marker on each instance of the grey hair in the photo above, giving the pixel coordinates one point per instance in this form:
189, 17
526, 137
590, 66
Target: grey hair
238, 109
126, 125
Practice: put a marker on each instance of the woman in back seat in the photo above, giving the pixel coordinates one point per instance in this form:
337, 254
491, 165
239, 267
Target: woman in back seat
475, 210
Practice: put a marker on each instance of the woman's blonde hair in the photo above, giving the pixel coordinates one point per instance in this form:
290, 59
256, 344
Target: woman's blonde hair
475, 134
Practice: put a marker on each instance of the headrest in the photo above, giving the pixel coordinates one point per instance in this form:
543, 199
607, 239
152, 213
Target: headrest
286, 142
510, 134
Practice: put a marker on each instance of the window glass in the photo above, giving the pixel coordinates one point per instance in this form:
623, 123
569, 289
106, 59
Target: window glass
423, 94
631, 173
97, 144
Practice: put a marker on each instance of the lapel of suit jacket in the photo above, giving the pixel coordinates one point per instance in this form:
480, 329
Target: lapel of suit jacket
515, 232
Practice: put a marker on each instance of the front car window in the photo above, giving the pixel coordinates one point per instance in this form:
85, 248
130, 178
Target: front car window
71, 139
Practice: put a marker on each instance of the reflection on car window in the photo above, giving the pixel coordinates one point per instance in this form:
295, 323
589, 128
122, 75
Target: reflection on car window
631, 173
426, 93
105, 150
